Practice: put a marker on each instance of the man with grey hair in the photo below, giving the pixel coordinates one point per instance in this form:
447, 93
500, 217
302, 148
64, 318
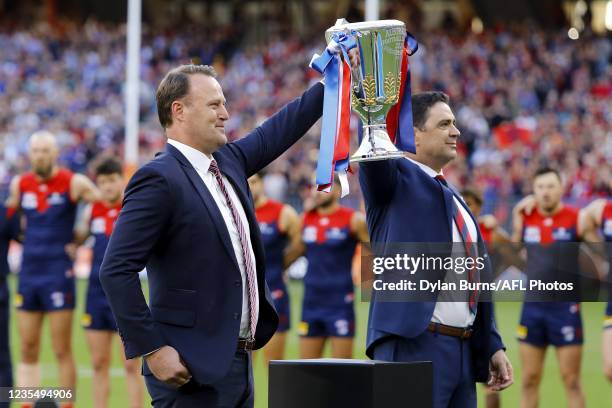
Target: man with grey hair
188, 217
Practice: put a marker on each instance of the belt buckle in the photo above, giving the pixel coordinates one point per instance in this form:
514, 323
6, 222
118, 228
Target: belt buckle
466, 333
246, 344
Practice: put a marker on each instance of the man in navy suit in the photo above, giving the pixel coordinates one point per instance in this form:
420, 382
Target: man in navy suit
188, 217
408, 201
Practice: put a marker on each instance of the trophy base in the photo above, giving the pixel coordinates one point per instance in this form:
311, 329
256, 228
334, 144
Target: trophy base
374, 156
376, 145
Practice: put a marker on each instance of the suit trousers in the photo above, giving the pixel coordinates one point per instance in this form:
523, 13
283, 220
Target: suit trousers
453, 380
235, 390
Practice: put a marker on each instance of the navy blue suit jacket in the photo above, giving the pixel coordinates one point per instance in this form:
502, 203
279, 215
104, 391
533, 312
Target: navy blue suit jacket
171, 224
405, 205
9, 229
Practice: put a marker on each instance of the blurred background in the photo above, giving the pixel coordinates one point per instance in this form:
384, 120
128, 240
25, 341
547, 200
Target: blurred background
530, 83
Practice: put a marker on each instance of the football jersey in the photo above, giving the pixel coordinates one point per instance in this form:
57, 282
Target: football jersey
485, 233
101, 225
548, 238
330, 247
606, 230
606, 222
274, 241
50, 214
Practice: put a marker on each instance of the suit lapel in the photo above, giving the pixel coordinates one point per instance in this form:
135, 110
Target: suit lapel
207, 200
446, 193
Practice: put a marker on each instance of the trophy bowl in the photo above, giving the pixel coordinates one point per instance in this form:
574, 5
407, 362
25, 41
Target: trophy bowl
375, 83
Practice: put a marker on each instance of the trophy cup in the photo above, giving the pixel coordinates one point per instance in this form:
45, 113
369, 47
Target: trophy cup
376, 84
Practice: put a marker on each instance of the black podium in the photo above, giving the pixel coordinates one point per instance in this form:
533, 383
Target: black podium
338, 383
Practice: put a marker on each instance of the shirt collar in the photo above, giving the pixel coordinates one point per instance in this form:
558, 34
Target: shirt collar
430, 172
196, 158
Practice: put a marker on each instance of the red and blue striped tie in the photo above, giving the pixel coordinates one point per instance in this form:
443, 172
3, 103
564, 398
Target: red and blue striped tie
468, 243
248, 263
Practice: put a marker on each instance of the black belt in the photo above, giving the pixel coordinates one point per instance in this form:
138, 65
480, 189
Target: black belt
245, 344
461, 332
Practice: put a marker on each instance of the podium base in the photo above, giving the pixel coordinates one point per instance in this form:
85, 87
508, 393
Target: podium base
327, 383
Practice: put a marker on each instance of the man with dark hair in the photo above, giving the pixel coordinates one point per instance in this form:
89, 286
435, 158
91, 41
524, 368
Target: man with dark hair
409, 201
97, 221
550, 232
188, 217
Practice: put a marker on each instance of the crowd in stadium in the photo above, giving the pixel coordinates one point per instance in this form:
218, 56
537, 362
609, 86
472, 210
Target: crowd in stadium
522, 100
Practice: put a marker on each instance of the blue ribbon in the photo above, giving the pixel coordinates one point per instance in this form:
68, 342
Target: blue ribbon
404, 136
328, 64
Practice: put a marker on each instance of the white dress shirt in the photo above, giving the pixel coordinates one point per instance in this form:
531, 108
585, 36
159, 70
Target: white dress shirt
453, 313
201, 163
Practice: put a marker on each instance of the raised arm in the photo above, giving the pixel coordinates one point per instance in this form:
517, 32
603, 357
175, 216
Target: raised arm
359, 227
138, 228
589, 220
517, 225
81, 230
291, 224
279, 132
378, 180
13, 199
83, 189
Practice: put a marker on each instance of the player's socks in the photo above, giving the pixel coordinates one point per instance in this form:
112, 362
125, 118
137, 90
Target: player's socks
28, 375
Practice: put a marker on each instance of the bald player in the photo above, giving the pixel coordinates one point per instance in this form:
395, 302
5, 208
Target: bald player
47, 198
330, 233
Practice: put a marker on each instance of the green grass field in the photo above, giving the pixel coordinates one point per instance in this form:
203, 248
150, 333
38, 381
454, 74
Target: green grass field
598, 391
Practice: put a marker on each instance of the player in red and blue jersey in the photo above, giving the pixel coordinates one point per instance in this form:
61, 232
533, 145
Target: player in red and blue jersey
9, 230
47, 198
97, 222
545, 231
279, 225
330, 233
597, 221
